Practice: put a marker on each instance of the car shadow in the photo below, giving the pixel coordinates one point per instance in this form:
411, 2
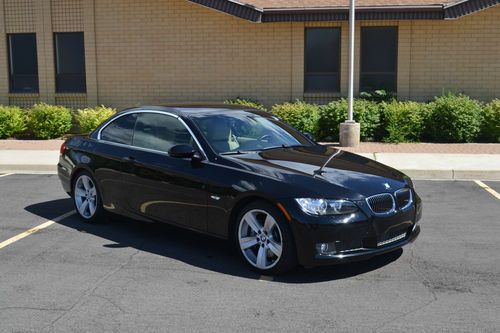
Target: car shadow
193, 248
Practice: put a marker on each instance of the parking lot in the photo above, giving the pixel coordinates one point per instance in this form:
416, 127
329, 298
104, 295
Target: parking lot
124, 275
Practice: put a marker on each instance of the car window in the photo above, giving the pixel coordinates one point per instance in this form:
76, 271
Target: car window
240, 130
160, 132
120, 130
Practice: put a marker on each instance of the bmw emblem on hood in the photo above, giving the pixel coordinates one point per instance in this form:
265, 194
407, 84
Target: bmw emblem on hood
387, 186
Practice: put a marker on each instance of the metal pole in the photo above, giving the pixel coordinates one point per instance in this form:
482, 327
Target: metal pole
350, 88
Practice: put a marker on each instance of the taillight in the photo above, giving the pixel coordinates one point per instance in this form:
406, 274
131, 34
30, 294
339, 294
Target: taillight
63, 148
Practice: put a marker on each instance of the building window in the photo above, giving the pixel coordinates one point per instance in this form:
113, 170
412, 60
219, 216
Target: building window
379, 54
70, 62
322, 60
23, 63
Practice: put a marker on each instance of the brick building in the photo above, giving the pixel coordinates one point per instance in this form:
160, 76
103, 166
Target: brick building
128, 52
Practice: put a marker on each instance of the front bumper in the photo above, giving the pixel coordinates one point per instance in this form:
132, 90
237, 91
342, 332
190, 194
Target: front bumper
360, 237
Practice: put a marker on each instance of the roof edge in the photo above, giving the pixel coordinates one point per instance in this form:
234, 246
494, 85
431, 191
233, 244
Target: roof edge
414, 12
233, 8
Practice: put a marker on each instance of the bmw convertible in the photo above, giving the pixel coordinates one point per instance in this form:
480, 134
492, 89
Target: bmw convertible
242, 175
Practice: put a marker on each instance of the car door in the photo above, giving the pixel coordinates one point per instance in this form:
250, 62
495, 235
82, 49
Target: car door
109, 148
159, 186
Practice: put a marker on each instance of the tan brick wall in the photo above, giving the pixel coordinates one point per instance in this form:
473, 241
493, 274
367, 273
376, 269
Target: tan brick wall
157, 51
461, 55
174, 51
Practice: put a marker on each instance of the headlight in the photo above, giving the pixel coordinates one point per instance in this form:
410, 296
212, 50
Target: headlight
326, 207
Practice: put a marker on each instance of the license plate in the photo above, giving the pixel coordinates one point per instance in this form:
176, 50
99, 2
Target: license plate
392, 240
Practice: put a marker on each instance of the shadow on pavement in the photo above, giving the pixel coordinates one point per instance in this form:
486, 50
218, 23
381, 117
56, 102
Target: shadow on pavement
195, 249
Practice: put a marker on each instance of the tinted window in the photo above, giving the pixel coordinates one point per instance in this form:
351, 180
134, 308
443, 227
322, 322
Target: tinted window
379, 52
70, 62
160, 132
120, 130
322, 60
23, 63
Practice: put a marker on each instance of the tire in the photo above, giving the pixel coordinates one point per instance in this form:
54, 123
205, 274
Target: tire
87, 198
264, 239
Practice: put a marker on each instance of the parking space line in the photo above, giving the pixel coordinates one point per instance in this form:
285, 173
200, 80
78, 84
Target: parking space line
488, 189
35, 229
5, 175
266, 278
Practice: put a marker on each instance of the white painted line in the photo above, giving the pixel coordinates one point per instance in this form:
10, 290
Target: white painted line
266, 278
5, 175
35, 229
488, 189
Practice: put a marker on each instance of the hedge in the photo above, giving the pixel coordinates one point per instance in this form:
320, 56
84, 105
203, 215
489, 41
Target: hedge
246, 102
448, 118
490, 128
301, 115
455, 118
366, 112
12, 121
89, 118
49, 121
404, 121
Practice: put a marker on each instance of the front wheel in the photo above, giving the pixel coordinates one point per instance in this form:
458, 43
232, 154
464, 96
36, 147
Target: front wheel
264, 239
86, 198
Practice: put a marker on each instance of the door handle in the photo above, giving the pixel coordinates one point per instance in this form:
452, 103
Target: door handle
128, 159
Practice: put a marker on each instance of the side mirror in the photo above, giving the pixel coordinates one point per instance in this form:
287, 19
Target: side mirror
182, 151
309, 136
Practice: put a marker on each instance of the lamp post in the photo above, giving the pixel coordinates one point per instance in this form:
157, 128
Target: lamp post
350, 130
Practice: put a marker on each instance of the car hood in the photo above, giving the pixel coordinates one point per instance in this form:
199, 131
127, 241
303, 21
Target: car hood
353, 173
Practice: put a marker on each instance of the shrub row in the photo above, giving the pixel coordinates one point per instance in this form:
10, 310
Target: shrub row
448, 118
44, 121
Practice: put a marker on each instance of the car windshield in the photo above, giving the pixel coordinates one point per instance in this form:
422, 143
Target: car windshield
242, 131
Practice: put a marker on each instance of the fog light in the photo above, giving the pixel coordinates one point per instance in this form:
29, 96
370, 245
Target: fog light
325, 248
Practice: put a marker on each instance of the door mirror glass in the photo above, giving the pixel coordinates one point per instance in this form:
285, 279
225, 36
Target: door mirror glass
182, 151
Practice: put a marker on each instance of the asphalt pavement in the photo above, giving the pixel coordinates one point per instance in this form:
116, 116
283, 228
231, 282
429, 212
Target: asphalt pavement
128, 276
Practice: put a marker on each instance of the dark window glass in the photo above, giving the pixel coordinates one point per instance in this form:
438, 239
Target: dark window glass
120, 130
70, 62
160, 132
379, 52
322, 60
23, 63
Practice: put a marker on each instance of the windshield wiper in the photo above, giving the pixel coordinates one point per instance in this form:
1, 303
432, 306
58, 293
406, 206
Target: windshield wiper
285, 146
239, 152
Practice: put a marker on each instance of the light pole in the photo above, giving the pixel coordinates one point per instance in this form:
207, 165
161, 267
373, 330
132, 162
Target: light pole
350, 130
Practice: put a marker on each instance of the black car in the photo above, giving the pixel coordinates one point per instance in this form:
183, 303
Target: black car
243, 175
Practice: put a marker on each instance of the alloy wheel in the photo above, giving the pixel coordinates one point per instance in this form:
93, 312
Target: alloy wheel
260, 239
85, 194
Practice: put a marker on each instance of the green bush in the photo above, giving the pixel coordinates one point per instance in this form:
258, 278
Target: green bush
366, 112
246, 102
490, 128
404, 121
12, 121
455, 118
303, 116
88, 119
49, 121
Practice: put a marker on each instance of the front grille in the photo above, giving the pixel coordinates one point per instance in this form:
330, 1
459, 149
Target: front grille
381, 203
403, 198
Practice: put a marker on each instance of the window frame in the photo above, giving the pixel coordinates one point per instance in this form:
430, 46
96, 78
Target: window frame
60, 90
10, 60
395, 73
106, 124
339, 73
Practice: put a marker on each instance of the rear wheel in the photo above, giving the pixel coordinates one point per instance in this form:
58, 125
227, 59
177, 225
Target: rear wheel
264, 239
86, 198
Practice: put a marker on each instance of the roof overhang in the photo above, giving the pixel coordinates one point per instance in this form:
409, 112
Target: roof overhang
424, 12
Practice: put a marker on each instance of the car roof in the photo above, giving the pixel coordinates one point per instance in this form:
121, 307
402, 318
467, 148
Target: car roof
194, 108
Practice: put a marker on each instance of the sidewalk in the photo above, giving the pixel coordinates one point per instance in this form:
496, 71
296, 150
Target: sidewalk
418, 160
